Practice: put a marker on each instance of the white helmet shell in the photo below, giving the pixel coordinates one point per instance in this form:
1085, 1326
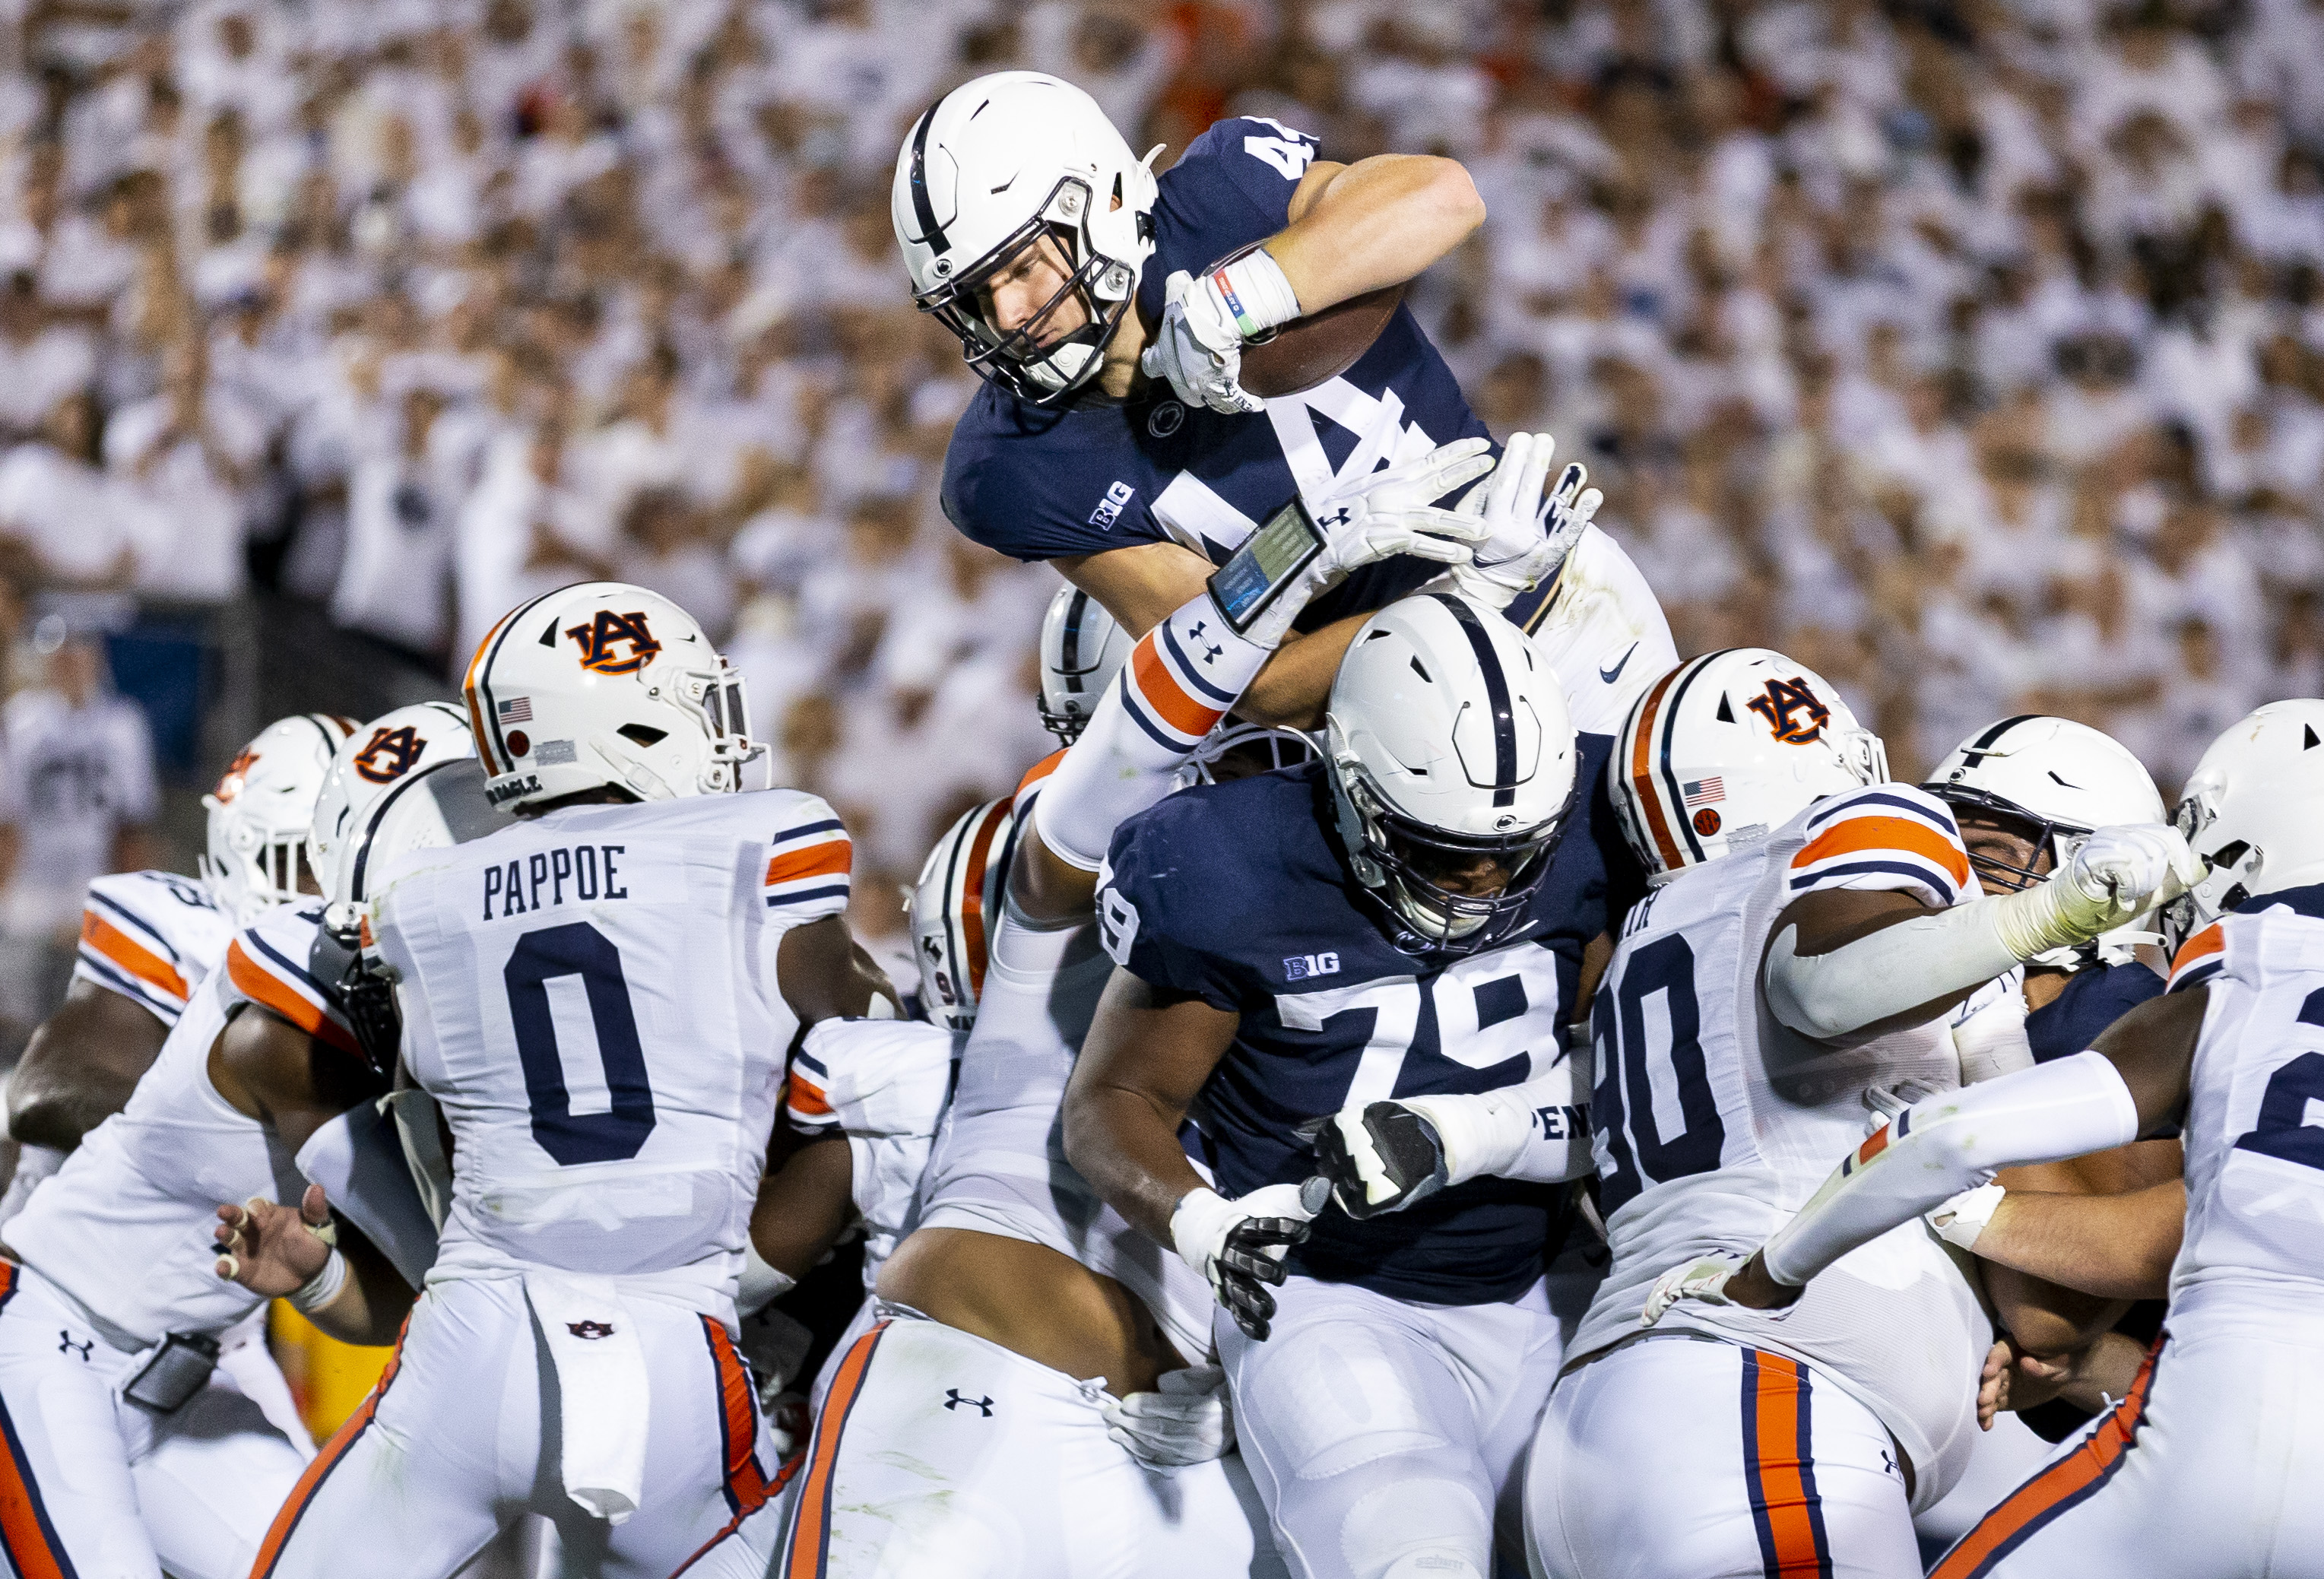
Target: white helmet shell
953, 906
2250, 810
260, 812
2061, 779
605, 684
1082, 648
990, 168
1448, 742
1727, 747
374, 759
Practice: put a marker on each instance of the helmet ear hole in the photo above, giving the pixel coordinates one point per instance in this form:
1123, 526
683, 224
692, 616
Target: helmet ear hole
643, 735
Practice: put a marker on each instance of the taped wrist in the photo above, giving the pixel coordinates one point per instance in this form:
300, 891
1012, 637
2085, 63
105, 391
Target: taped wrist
1198, 1224
1946, 1144
1256, 292
1182, 678
1918, 959
321, 1289
1538, 1130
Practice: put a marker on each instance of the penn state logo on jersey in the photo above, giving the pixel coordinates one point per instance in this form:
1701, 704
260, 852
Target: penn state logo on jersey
614, 643
1792, 710
389, 754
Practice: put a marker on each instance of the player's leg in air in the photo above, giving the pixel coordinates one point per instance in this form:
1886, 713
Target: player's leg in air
1349, 945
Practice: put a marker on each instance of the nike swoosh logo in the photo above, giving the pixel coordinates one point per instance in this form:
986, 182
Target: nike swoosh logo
1611, 674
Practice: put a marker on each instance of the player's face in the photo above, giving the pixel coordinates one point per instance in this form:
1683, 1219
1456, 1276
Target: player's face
1029, 293
1996, 844
1476, 877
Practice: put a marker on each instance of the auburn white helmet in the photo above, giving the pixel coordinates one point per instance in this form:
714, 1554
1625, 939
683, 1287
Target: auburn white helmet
371, 761
605, 684
2059, 779
1449, 746
1727, 747
993, 168
953, 906
260, 812
1082, 648
2250, 810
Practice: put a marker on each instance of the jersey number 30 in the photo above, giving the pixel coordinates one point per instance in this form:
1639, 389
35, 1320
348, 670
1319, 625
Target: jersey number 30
580, 950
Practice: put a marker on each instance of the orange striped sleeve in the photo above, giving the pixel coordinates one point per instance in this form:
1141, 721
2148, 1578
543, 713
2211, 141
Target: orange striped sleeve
1040, 770
131, 956
2208, 944
1159, 689
830, 858
803, 1097
263, 989
1865, 834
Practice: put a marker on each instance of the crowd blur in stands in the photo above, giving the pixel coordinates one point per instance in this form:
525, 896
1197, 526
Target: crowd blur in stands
1970, 350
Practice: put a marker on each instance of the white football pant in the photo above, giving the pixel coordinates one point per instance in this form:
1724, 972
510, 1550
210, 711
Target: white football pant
1384, 1436
1681, 1457
939, 1455
92, 1486
2207, 1469
461, 1438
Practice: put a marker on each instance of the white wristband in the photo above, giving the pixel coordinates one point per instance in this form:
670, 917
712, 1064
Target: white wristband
322, 1287
1256, 293
1961, 1219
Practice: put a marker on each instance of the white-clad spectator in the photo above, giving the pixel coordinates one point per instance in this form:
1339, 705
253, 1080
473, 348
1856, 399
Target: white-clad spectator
60, 510
183, 461
395, 582
40, 363
524, 531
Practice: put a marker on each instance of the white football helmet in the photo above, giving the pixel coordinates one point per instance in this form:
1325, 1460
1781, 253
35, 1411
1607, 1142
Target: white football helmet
992, 167
2061, 779
2250, 810
605, 684
1236, 749
1727, 747
952, 909
260, 812
376, 757
1082, 648
1448, 743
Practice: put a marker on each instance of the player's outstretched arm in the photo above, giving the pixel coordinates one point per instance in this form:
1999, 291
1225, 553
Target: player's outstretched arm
327, 1271
2106, 1226
81, 1065
1847, 961
1379, 221
1147, 1055
2134, 1078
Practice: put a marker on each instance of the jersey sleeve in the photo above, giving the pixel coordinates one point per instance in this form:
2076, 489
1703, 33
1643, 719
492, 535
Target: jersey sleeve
150, 937
1886, 836
1149, 911
873, 1077
2199, 958
808, 863
266, 964
1251, 163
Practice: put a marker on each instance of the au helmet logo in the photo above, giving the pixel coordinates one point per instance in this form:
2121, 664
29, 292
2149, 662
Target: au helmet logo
389, 754
602, 641
1792, 710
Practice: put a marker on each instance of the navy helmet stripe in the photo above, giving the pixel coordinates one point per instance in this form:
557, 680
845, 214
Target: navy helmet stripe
1497, 696
1070, 661
1983, 743
924, 212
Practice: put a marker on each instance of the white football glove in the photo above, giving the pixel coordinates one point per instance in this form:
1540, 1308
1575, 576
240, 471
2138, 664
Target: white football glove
1530, 528
1238, 1246
1990, 1036
2117, 873
1185, 1420
1382, 513
1960, 1221
1198, 346
1704, 1279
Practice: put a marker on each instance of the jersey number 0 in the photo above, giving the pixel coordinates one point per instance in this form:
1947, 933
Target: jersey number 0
579, 949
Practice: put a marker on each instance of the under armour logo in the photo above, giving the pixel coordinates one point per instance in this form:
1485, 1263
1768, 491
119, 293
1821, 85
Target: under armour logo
590, 1329
1339, 517
65, 1343
953, 1401
1888, 1462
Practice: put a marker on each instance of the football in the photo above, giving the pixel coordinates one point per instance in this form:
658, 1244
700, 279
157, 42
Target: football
1301, 354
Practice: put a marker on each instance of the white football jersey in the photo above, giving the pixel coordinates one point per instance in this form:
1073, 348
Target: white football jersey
591, 998
884, 1084
2253, 1258
124, 1226
1715, 1121
152, 937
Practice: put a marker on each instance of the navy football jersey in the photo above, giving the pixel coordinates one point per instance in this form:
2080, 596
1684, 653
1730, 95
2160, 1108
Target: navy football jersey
1039, 484
2094, 998
1238, 894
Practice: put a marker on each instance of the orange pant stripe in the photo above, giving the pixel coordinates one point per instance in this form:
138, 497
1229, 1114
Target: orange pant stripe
343, 1440
810, 1539
28, 1538
1779, 1469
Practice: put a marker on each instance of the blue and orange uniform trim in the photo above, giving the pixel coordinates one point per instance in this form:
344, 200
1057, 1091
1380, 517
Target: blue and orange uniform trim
747, 1486
318, 1469
807, 1552
28, 1537
1779, 1468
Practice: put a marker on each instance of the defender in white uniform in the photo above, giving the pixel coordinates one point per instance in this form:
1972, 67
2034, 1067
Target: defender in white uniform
599, 998
1731, 1066
2207, 1466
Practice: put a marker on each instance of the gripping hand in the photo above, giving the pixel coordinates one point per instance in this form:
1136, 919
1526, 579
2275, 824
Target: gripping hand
2119, 872
1530, 527
1238, 1246
1379, 1157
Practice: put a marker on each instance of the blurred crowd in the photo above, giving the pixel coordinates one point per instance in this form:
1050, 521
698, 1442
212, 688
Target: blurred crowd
1970, 350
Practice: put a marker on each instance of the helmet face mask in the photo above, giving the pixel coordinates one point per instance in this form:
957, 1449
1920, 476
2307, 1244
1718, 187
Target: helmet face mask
1427, 873
1040, 374
1994, 873
1241, 751
261, 812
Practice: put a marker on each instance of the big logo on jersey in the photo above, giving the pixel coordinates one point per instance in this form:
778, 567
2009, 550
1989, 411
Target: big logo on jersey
1792, 710
389, 754
602, 641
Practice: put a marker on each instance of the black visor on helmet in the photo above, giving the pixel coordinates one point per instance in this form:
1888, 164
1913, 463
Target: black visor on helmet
1009, 358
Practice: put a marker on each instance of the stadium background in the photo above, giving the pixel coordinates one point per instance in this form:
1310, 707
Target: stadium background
1972, 353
